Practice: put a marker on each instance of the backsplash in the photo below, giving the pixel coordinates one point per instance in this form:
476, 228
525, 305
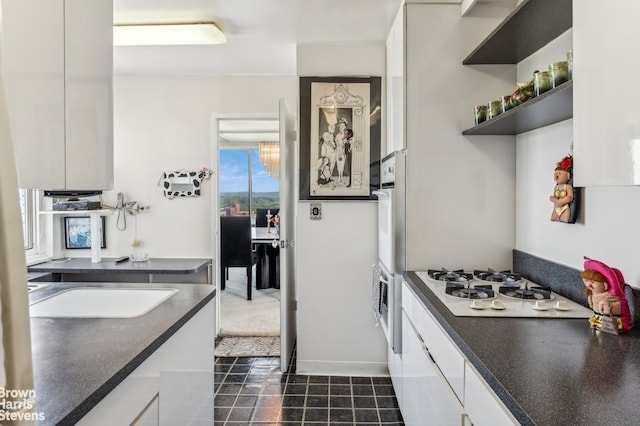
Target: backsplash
565, 280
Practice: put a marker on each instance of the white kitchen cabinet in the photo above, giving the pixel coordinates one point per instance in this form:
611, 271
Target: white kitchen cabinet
606, 116
57, 61
176, 381
438, 385
481, 403
427, 397
151, 414
449, 359
394, 363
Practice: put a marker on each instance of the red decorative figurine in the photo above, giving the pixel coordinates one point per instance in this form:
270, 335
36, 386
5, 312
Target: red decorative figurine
563, 192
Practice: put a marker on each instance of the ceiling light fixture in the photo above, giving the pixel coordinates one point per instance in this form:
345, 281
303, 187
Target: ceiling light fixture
269, 156
163, 34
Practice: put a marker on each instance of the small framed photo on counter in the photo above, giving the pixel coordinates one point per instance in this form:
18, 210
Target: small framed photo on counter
77, 232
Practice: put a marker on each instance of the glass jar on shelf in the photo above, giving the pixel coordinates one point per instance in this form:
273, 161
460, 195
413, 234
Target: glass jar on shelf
541, 82
494, 108
559, 73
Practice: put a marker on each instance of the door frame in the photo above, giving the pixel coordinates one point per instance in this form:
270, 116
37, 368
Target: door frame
215, 237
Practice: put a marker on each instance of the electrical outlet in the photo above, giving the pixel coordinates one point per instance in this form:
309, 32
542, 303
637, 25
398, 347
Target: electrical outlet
315, 211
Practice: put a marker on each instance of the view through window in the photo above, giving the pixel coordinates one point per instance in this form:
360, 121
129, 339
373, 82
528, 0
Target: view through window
241, 174
28, 217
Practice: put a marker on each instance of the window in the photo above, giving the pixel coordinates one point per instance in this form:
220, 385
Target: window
241, 174
27, 207
37, 244
234, 182
265, 190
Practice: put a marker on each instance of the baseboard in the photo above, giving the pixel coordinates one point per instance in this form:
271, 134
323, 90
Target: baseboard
345, 368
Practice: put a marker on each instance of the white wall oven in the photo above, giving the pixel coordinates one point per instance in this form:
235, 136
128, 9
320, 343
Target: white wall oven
387, 273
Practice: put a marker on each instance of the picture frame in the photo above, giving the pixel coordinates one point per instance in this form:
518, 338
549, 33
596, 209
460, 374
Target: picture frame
183, 183
77, 232
340, 137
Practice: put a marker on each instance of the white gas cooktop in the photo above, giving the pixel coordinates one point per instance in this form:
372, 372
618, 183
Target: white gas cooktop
496, 303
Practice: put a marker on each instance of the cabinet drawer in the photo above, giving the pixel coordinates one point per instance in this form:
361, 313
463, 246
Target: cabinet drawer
445, 353
482, 405
427, 397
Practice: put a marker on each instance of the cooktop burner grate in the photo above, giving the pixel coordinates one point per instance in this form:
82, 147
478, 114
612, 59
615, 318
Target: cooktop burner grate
497, 277
462, 291
450, 276
526, 292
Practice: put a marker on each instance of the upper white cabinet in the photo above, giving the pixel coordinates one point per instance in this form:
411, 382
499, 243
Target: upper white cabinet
606, 123
57, 61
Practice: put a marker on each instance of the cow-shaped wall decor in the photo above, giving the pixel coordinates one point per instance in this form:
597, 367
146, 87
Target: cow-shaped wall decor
183, 183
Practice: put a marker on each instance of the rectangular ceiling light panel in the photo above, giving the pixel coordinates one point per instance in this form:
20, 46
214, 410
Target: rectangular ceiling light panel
167, 34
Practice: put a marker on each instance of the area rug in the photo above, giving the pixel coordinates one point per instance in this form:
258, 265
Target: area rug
243, 346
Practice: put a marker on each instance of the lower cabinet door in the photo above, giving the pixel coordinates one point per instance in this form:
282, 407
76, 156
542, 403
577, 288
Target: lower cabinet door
150, 416
482, 404
427, 398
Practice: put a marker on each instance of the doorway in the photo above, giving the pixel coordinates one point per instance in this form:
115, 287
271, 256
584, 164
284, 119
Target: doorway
248, 185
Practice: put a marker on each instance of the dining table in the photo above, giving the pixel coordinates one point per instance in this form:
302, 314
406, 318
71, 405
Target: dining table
268, 268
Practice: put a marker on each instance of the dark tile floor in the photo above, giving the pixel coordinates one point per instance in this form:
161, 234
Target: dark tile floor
253, 391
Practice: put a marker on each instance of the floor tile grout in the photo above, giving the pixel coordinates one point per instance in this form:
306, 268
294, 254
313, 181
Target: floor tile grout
244, 387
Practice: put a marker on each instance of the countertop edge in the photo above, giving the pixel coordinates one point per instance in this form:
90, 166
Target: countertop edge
92, 400
106, 266
512, 405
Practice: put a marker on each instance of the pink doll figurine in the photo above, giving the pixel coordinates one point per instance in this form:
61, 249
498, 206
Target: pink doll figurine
605, 292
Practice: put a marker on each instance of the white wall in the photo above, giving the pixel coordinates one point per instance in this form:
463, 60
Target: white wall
460, 189
336, 329
163, 124
336, 326
607, 225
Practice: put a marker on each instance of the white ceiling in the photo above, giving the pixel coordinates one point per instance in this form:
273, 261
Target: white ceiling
261, 34
241, 133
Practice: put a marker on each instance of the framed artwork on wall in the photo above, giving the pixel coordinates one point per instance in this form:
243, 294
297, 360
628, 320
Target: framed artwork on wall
77, 232
340, 135
183, 183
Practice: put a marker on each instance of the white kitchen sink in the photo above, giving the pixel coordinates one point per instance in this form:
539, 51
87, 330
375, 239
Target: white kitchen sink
98, 302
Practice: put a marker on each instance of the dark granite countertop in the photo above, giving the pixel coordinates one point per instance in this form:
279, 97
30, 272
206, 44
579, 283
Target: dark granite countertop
107, 265
78, 361
548, 371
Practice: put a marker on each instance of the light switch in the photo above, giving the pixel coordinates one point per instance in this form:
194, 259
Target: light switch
315, 211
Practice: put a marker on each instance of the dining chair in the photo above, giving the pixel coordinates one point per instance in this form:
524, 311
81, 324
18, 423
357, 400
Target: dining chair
261, 216
235, 248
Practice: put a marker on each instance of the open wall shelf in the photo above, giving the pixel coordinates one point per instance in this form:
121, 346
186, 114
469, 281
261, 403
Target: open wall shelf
533, 24
551, 107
